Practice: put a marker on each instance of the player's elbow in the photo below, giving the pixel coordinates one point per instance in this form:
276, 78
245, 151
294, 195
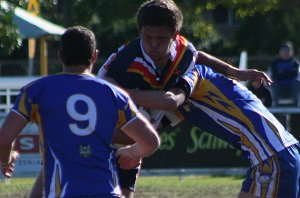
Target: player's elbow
152, 145
152, 141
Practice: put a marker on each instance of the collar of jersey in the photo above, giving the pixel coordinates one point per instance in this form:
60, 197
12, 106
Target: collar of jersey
172, 53
83, 74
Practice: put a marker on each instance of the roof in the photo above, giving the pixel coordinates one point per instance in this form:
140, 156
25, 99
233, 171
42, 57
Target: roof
32, 26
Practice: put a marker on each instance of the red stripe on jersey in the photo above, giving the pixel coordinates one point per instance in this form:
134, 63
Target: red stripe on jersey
141, 69
180, 50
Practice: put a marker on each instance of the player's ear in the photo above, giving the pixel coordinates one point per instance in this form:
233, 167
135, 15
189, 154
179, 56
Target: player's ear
175, 34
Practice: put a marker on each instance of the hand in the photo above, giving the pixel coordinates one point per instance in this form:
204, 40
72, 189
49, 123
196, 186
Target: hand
7, 169
126, 160
253, 74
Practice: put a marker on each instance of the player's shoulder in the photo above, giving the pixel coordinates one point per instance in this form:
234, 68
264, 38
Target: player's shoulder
39, 82
118, 91
131, 48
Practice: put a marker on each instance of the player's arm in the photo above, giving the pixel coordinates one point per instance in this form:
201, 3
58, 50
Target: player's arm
146, 142
231, 71
156, 99
167, 100
12, 126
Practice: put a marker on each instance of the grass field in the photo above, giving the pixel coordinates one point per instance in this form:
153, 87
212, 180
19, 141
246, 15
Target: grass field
153, 187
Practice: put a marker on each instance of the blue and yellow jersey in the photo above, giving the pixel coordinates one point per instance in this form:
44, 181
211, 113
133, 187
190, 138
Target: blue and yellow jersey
230, 111
77, 116
132, 68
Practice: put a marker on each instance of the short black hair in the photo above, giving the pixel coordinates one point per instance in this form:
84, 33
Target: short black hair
77, 46
160, 13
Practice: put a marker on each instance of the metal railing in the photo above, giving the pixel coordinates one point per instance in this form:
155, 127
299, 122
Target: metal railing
9, 89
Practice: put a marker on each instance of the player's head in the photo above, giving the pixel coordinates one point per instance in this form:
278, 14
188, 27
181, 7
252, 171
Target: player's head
159, 22
160, 13
78, 47
286, 50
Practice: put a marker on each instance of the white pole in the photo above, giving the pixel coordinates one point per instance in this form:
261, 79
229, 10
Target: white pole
243, 60
243, 63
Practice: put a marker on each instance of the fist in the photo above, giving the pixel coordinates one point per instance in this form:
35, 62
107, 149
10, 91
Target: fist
7, 169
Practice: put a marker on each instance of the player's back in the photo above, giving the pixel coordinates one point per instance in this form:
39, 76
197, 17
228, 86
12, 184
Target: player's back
77, 116
230, 111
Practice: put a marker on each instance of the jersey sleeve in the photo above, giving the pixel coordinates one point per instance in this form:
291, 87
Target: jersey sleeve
23, 105
188, 81
127, 110
119, 62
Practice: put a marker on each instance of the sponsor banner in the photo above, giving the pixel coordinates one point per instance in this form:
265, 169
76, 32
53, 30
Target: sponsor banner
28, 165
183, 146
186, 146
27, 144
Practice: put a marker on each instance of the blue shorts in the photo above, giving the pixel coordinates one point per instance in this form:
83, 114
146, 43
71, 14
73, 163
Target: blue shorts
278, 176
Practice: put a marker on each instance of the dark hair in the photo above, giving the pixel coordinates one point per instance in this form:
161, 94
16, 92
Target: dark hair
77, 46
160, 13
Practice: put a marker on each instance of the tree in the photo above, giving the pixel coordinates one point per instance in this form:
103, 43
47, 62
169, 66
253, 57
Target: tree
261, 24
264, 33
9, 38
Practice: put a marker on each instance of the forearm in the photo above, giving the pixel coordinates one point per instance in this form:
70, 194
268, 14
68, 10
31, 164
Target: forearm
138, 151
217, 64
231, 71
5, 150
156, 99
145, 136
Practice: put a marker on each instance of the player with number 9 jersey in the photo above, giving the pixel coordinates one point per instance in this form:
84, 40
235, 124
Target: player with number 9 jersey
87, 119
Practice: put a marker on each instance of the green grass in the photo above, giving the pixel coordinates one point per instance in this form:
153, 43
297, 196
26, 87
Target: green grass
188, 187
153, 187
15, 187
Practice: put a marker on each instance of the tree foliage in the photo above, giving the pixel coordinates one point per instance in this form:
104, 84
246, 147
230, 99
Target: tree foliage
264, 33
9, 39
260, 24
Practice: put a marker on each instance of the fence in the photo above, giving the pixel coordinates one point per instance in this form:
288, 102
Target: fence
184, 146
9, 89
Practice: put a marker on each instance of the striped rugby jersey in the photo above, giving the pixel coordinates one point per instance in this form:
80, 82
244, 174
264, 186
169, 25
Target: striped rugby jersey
132, 68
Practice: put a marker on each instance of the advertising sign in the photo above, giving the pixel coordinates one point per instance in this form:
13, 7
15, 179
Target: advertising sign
183, 146
27, 144
190, 147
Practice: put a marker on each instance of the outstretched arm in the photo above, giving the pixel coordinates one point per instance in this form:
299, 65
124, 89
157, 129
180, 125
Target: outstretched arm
231, 71
157, 99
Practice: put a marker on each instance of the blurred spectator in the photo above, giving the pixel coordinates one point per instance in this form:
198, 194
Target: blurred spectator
262, 92
284, 72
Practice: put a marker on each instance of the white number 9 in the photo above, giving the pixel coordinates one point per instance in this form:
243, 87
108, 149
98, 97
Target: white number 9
90, 115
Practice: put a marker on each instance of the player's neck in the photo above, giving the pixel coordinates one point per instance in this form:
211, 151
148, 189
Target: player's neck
76, 69
161, 63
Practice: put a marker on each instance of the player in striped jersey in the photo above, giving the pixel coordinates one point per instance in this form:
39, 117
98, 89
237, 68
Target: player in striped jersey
158, 58
227, 109
77, 115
